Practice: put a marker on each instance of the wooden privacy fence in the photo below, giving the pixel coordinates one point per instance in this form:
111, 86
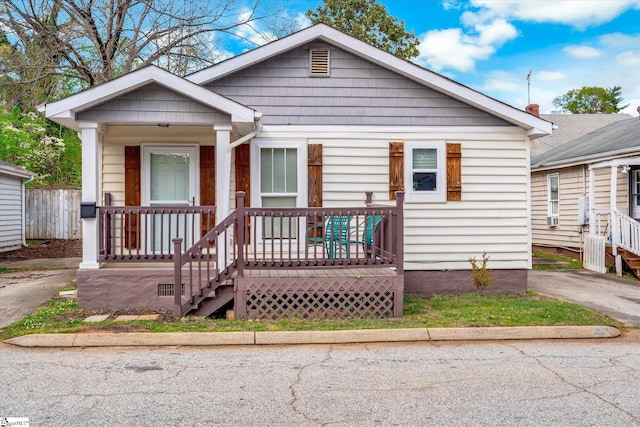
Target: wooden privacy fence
53, 213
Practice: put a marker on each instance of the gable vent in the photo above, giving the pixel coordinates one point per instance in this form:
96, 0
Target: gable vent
320, 62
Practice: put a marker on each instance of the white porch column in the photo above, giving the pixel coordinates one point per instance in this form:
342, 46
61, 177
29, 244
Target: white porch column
90, 136
223, 170
223, 182
615, 230
592, 201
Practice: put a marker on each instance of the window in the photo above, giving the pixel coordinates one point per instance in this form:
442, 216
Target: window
553, 198
282, 182
425, 171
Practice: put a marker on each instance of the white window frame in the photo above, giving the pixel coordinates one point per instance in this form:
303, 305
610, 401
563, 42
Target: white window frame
550, 213
440, 193
256, 195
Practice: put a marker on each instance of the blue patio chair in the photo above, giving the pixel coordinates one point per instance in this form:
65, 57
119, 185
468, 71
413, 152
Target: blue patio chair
365, 239
335, 235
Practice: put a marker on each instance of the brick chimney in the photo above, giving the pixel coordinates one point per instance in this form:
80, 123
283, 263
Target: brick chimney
533, 109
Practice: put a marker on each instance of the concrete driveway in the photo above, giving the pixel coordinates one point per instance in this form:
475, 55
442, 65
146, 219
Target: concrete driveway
22, 292
616, 297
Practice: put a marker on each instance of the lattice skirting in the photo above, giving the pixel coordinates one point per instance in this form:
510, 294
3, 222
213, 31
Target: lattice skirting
324, 297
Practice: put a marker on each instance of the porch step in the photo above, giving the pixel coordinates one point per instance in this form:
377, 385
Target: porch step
632, 261
215, 300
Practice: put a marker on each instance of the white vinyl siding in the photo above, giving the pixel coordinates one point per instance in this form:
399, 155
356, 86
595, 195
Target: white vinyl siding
492, 216
10, 213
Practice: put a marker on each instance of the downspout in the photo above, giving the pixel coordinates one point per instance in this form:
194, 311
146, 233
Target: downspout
227, 181
24, 217
258, 123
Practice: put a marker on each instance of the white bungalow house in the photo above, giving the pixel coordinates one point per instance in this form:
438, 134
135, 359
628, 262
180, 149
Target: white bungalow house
12, 205
586, 195
304, 127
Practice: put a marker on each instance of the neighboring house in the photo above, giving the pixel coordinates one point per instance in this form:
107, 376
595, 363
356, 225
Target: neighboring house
577, 186
567, 127
12, 204
305, 126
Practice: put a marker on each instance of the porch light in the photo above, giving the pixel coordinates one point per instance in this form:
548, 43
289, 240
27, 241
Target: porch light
625, 169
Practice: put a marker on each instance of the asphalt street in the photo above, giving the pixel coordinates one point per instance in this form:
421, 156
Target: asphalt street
503, 383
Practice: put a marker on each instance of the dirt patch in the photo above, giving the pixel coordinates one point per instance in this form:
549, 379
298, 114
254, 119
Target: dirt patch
45, 249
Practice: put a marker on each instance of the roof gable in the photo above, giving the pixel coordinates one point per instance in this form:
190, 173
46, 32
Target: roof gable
535, 126
357, 92
64, 111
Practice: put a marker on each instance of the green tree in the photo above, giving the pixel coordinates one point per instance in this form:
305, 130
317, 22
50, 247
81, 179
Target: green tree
30, 141
590, 100
95, 41
368, 21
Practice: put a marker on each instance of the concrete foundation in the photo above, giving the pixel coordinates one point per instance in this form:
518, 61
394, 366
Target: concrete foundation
456, 282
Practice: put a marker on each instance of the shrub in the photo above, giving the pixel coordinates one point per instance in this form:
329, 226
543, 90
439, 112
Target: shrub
480, 276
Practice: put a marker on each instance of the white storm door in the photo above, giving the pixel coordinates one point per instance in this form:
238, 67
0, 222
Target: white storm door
170, 178
635, 193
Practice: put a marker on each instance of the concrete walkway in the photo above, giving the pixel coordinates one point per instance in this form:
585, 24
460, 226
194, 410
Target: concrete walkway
22, 292
608, 294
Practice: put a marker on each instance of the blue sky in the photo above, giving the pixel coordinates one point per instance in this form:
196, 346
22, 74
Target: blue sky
490, 45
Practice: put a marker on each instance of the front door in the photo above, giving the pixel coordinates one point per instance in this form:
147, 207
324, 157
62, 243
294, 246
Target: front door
170, 179
635, 193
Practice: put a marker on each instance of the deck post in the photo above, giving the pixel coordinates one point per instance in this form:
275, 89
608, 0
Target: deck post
240, 221
369, 199
177, 274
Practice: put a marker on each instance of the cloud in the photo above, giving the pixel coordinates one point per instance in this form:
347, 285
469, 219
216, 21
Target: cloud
620, 41
451, 48
582, 52
501, 81
629, 59
549, 76
579, 14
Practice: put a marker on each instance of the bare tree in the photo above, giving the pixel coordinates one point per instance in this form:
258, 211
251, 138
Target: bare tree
93, 41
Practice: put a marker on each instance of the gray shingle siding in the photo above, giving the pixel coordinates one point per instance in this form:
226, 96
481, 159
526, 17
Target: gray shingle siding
357, 92
154, 103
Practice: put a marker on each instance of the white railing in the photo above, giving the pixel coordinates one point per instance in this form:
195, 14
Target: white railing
625, 232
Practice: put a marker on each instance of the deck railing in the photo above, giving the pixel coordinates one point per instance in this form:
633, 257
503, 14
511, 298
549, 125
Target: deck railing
625, 232
284, 238
145, 234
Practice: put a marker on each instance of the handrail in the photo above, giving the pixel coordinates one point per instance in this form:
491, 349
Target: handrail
625, 232
235, 245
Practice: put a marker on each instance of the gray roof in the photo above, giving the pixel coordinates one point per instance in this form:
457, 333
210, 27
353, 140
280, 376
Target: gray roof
9, 169
570, 127
618, 138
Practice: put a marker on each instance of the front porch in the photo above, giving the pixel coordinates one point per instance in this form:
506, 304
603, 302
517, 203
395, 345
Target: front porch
271, 262
615, 231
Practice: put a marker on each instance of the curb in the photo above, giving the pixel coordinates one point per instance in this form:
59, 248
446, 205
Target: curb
313, 337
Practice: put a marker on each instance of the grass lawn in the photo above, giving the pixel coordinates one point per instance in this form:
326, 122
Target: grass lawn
572, 264
62, 315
